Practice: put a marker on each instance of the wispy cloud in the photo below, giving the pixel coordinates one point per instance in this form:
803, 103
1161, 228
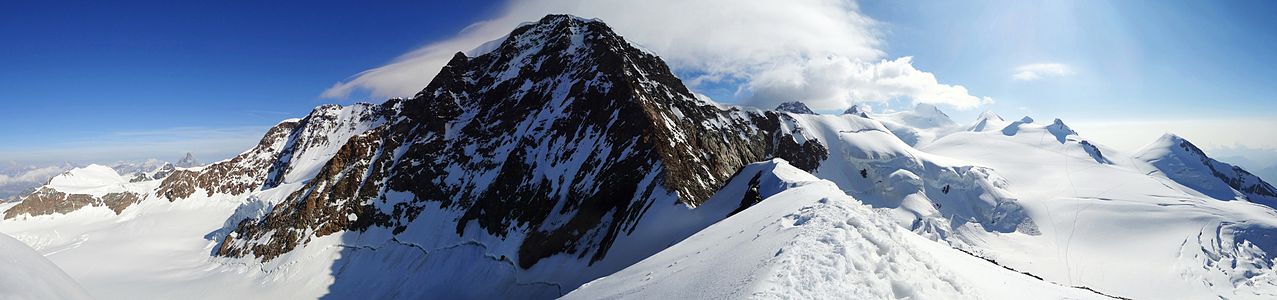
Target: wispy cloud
823, 52
1037, 71
31, 176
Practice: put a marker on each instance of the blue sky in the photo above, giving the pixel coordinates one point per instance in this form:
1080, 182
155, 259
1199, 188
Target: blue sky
103, 82
1161, 58
101, 77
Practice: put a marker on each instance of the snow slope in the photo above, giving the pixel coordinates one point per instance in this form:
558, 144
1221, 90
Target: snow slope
1114, 223
808, 240
158, 250
917, 127
926, 193
1183, 162
94, 180
25, 274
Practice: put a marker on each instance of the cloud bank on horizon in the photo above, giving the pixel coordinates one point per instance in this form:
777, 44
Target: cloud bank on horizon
823, 52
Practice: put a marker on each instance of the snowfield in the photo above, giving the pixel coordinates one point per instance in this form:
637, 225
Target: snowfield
1114, 222
808, 240
25, 274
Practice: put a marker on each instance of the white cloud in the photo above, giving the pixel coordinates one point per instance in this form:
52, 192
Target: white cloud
1037, 71
818, 51
32, 176
838, 82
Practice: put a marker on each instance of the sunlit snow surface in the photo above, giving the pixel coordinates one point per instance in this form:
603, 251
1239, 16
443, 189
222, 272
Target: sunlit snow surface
1121, 227
808, 240
25, 274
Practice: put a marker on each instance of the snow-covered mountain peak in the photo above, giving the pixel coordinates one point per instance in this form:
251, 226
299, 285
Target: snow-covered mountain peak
1026, 119
856, 110
1188, 165
987, 120
86, 179
796, 107
1170, 144
553, 147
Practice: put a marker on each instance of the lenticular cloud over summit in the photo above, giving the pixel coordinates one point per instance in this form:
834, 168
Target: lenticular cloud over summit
824, 52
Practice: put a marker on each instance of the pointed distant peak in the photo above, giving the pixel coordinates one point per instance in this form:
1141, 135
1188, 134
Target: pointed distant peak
187, 161
989, 115
863, 112
795, 107
982, 122
853, 110
1026, 119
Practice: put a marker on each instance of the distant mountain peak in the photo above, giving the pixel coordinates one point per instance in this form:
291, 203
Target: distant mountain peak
796, 107
187, 161
982, 121
1185, 163
856, 110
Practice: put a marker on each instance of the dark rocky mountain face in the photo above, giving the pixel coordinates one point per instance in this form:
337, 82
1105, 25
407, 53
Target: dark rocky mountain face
796, 107
565, 134
45, 201
236, 176
856, 110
